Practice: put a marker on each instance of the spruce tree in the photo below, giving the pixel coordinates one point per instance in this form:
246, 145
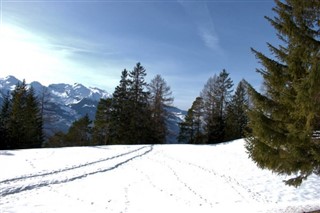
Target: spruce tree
33, 121
140, 125
284, 118
216, 95
17, 122
160, 97
186, 133
80, 132
191, 129
101, 129
121, 111
21, 120
4, 123
237, 118
198, 112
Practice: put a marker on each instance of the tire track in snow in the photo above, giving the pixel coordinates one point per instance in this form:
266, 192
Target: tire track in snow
17, 185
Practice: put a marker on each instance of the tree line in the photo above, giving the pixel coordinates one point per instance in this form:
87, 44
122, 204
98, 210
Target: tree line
136, 114
217, 115
21, 120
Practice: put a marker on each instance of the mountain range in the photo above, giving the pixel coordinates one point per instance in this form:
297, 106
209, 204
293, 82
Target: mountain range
66, 103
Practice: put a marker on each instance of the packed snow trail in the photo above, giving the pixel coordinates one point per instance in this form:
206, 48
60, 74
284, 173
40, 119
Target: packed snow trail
159, 178
29, 182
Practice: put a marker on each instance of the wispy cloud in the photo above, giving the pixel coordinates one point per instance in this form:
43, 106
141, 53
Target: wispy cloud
201, 16
210, 38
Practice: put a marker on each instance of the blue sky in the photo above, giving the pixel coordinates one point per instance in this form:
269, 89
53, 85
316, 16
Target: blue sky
91, 42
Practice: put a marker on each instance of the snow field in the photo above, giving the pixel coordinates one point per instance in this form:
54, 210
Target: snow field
158, 178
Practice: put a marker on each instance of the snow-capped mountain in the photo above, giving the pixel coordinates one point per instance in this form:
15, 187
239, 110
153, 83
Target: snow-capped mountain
66, 103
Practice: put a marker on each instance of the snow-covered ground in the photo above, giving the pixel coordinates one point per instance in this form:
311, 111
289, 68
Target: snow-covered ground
159, 178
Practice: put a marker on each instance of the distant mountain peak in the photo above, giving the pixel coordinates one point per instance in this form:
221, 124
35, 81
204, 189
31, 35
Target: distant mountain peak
10, 79
70, 102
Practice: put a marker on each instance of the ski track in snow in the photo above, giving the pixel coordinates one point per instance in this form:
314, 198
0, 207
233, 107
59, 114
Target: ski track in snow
33, 181
144, 179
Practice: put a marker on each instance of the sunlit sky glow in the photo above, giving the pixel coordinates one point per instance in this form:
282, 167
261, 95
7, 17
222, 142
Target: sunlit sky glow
91, 42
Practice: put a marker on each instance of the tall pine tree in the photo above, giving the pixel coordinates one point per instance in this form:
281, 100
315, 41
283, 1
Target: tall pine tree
140, 125
121, 111
33, 120
237, 118
216, 94
284, 117
21, 120
4, 123
101, 129
191, 129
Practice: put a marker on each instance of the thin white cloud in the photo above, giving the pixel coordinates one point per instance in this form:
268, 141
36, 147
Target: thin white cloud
210, 38
201, 16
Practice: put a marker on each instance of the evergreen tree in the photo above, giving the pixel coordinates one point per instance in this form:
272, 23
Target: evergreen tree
121, 111
80, 132
140, 125
216, 95
33, 121
17, 117
191, 129
21, 121
186, 133
160, 97
101, 129
57, 140
198, 112
4, 123
284, 118
237, 118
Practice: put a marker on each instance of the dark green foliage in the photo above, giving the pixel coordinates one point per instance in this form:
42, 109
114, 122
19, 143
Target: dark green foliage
4, 123
186, 133
101, 129
160, 97
21, 120
236, 117
57, 140
17, 127
216, 95
284, 119
140, 125
131, 115
121, 112
33, 121
79, 133
137, 115
191, 130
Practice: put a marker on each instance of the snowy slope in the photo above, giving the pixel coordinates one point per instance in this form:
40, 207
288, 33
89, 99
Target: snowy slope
159, 178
